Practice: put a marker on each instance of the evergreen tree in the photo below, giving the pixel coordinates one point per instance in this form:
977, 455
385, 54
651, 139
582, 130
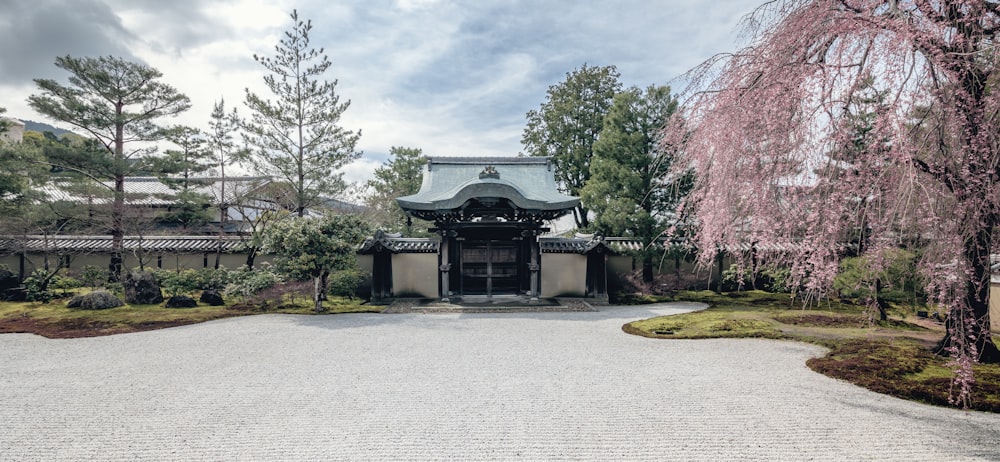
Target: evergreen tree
224, 152
297, 137
400, 176
569, 123
117, 102
631, 190
177, 169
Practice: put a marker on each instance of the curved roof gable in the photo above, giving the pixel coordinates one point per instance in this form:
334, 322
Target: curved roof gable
527, 182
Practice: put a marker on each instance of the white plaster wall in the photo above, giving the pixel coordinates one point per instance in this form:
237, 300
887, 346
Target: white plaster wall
564, 275
169, 261
995, 306
414, 275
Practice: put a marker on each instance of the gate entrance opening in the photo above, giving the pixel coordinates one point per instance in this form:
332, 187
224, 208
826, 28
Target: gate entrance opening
490, 267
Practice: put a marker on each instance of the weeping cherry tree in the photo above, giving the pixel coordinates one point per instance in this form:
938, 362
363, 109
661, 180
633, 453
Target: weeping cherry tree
766, 129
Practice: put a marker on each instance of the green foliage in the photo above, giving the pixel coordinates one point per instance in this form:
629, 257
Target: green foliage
116, 102
176, 168
19, 167
176, 282
769, 278
400, 176
632, 190
897, 272
64, 283
37, 286
212, 278
190, 280
307, 248
223, 152
117, 288
345, 283
778, 279
21, 174
189, 210
220, 144
93, 276
245, 282
296, 136
569, 123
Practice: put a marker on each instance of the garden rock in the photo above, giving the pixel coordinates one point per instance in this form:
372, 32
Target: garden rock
141, 288
17, 294
8, 280
212, 297
100, 300
181, 301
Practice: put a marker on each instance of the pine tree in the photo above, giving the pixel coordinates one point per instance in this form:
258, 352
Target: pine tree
297, 137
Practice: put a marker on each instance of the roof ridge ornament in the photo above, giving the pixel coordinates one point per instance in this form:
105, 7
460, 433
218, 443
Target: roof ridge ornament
489, 172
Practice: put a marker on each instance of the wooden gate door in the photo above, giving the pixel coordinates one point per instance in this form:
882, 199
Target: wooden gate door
489, 267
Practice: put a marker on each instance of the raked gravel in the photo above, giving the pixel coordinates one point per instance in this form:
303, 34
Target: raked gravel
502, 386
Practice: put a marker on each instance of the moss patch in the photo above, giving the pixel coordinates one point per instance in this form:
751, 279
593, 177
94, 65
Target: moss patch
707, 324
890, 357
906, 370
55, 320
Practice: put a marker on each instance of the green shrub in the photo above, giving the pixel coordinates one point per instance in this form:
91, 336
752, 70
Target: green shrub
769, 278
189, 281
37, 286
177, 282
736, 278
211, 278
345, 283
245, 283
64, 283
93, 276
776, 279
116, 288
901, 282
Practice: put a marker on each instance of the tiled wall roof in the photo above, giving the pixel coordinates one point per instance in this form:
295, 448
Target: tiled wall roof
102, 244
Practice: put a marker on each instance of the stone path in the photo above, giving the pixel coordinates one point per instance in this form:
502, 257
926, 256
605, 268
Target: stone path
506, 386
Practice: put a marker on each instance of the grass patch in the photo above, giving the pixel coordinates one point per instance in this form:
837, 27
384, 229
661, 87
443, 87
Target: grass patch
55, 320
890, 357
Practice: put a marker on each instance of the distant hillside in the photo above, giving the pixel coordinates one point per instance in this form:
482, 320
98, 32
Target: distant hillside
30, 125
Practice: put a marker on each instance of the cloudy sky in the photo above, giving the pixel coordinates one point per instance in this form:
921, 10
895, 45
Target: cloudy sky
452, 77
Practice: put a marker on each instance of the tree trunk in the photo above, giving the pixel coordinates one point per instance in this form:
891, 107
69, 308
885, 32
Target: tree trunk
977, 251
317, 300
324, 283
580, 216
319, 290
647, 270
883, 314
251, 255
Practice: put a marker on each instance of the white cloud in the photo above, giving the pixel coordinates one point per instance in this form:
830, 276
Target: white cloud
450, 77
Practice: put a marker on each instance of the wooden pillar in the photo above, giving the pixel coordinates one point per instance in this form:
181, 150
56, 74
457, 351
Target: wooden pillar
381, 274
535, 266
445, 267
